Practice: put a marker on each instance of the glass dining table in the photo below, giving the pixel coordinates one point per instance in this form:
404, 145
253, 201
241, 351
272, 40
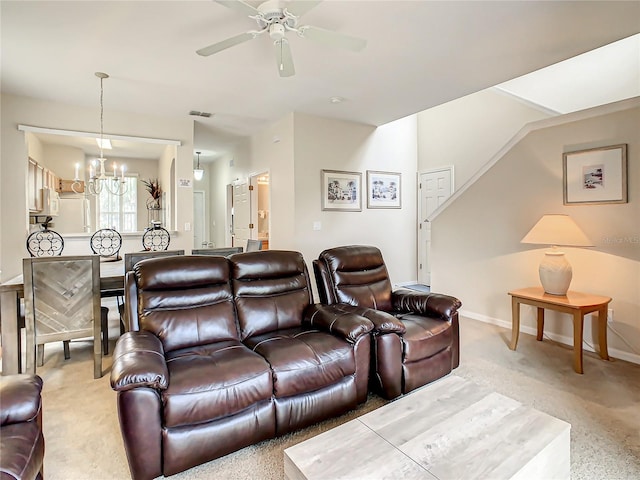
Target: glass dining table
11, 291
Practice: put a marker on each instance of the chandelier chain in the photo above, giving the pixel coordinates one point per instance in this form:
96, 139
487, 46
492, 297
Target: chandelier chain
98, 178
101, 116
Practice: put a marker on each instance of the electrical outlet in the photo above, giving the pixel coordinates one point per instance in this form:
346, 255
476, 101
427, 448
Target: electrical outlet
610, 315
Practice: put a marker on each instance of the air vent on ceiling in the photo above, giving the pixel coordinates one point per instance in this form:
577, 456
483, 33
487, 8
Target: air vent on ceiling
195, 113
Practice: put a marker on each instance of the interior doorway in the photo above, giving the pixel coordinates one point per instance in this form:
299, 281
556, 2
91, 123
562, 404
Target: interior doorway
248, 210
260, 208
241, 213
435, 187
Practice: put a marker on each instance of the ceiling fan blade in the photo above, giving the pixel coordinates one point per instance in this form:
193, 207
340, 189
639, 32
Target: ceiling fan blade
329, 37
229, 42
239, 6
284, 58
300, 7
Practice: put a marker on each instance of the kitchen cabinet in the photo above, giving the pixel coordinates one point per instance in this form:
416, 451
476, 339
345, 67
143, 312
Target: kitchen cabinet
38, 178
31, 186
39, 185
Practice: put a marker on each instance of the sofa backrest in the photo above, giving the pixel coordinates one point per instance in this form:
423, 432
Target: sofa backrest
185, 300
271, 290
354, 274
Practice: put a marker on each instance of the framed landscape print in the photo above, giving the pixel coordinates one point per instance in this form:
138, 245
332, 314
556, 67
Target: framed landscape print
383, 189
341, 191
597, 175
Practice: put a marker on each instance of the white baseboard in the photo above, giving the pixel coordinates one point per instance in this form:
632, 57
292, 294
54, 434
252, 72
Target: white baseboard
613, 352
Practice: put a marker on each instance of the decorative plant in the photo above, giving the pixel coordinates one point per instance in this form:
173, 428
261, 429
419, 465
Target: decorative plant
153, 187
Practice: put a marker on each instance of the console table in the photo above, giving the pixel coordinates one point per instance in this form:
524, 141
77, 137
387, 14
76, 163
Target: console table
574, 303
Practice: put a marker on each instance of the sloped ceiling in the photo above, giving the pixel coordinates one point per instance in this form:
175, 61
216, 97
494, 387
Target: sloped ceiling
605, 75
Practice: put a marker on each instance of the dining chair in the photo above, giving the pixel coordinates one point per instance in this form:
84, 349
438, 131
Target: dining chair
130, 259
156, 239
254, 245
223, 252
107, 243
45, 243
62, 302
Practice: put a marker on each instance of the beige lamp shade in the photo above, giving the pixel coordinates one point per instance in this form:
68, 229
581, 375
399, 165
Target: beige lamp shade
557, 230
555, 270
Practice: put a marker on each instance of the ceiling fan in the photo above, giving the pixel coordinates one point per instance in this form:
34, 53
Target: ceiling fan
277, 18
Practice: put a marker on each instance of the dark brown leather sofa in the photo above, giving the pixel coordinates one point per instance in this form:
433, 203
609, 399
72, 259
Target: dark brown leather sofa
224, 353
21, 439
416, 336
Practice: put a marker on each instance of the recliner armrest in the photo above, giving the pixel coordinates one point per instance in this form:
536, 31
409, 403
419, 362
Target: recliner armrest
434, 304
138, 361
338, 320
21, 398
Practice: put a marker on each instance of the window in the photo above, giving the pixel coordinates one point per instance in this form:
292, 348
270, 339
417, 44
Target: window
119, 212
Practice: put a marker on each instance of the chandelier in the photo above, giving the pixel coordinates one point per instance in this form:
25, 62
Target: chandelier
99, 179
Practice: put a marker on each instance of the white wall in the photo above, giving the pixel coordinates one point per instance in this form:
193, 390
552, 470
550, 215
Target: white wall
294, 150
322, 143
477, 254
468, 131
13, 162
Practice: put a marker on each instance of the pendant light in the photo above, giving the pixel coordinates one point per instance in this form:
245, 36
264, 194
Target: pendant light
198, 173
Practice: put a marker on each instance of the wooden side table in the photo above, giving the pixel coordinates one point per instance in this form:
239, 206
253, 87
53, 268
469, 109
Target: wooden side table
574, 303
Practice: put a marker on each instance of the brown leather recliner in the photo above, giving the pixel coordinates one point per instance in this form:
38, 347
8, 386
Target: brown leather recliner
224, 353
21, 439
416, 336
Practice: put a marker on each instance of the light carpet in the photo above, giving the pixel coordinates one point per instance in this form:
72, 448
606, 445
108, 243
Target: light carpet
83, 437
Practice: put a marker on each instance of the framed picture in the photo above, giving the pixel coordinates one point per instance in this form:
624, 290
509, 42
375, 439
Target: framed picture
383, 189
341, 191
597, 175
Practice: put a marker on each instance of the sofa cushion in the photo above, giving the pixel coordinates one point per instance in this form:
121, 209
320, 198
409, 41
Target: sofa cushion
271, 290
304, 360
186, 300
425, 337
213, 381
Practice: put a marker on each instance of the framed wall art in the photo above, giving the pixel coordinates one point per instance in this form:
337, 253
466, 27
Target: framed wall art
596, 175
383, 189
341, 191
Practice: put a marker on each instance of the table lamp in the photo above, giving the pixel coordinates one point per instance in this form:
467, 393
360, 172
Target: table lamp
555, 270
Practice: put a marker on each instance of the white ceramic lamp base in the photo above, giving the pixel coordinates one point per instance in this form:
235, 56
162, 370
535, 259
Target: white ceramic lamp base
555, 273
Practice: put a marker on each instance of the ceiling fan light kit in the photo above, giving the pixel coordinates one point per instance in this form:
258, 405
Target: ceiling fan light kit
279, 17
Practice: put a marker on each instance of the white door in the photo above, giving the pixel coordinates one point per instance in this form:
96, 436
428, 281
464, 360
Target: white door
241, 213
435, 187
200, 238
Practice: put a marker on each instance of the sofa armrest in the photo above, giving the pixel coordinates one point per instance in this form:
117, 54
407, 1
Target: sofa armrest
433, 304
21, 398
338, 320
138, 361
383, 322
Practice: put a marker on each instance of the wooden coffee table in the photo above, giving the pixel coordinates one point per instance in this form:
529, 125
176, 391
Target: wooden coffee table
449, 429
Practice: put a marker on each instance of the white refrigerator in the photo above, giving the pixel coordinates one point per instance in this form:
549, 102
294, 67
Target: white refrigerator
73, 216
